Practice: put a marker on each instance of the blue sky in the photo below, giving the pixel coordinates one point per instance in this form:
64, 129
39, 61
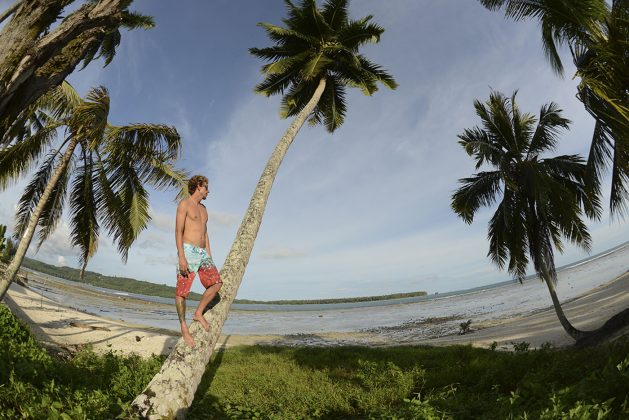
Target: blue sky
364, 211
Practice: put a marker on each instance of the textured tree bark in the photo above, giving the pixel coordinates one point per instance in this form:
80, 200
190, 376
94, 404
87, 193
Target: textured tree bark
9, 275
32, 60
171, 391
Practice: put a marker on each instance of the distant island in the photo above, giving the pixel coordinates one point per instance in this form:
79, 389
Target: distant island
126, 284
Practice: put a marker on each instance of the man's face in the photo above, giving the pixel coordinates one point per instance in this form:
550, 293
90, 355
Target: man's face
204, 190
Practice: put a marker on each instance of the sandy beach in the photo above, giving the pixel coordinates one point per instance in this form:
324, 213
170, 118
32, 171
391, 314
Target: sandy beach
66, 329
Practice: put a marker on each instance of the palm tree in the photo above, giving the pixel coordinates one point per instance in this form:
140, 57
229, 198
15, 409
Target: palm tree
598, 38
315, 57
541, 200
100, 169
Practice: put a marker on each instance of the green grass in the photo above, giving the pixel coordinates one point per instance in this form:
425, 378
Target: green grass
343, 382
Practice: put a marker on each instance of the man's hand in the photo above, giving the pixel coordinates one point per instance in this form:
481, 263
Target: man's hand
183, 266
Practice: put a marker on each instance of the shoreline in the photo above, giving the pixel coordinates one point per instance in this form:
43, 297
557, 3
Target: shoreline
271, 306
63, 328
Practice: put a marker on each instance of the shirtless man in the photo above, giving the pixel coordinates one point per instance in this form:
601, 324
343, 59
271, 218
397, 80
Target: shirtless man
193, 250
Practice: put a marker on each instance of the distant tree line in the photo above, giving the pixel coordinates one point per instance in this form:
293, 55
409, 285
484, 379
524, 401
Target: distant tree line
123, 284
339, 300
126, 284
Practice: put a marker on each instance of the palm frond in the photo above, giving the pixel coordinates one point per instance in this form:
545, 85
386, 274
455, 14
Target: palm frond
517, 235
360, 32
284, 35
551, 39
496, 120
135, 20
497, 235
275, 84
142, 143
619, 197
274, 53
377, 73
315, 67
108, 46
562, 22
108, 202
162, 175
17, 159
53, 209
286, 65
548, 128
83, 209
332, 105
479, 190
32, 193
307, 20
335, 13
58, 103
89, 119
135, 203
479, 144
297, 97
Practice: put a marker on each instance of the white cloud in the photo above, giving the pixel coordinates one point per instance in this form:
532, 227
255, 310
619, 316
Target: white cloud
281, 253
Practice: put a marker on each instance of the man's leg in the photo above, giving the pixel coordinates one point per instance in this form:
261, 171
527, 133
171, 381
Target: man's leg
207, 297
180, 302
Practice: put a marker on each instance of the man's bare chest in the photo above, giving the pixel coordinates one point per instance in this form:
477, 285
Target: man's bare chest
197, 216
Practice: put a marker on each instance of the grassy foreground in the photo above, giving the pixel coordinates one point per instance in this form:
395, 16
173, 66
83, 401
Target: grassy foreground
280, 382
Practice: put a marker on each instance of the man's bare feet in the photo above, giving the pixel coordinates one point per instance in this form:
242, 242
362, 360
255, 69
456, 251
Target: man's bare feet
188, 339
204, 324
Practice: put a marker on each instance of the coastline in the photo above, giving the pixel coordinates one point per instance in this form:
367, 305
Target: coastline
63, 328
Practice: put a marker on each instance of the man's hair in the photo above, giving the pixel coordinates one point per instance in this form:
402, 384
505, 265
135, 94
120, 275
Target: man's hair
196, 182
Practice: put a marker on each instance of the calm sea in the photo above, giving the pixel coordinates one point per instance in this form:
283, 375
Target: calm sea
494, 301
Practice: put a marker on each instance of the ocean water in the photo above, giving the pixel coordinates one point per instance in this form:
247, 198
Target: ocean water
502, 300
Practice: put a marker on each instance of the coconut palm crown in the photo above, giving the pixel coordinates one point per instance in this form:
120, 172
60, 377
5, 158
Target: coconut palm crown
98, 169
542, 200
314, 44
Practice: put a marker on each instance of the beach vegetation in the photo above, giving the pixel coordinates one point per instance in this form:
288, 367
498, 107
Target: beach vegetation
465, 327
269, 382
100, 170
41, 44
597, 35
314, 58
541, 200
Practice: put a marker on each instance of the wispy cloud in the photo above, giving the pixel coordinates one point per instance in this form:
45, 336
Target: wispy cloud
281, 253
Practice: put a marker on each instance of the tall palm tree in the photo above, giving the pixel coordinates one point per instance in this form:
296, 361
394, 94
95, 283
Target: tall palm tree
598, 38
315, 57
99, 168
542, 200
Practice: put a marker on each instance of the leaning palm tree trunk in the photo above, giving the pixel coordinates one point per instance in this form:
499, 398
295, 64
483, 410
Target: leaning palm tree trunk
567, 326
171, 391
8, 276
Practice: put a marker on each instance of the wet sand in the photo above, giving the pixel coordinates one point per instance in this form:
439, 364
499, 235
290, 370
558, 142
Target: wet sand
61, 327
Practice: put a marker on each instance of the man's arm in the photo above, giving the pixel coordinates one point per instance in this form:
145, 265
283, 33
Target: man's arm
180, 222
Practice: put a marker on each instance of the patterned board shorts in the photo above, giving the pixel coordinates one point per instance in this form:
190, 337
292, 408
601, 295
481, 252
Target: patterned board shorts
198, 262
